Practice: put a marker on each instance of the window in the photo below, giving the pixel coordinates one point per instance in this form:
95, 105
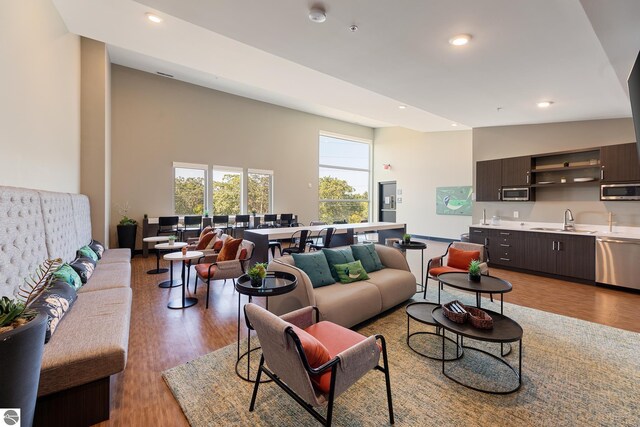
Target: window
259, 191
344, 172
226, 186
189, 188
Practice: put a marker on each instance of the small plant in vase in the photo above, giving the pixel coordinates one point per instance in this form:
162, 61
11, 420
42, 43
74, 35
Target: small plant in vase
474, 270
406, 238
257, 273
172, 240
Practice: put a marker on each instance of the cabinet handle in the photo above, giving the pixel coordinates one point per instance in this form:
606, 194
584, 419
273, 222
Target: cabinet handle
505, 259
559, 247
504, 233
602, 173
499, 194
553, 245
505, 246
527, 177
477, 231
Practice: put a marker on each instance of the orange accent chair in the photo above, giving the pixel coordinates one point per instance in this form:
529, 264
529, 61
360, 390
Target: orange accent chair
457, 259
314, 362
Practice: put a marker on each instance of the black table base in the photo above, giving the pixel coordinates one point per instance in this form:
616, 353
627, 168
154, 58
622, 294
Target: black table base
422, 314
169, 284
158, 271
183, 302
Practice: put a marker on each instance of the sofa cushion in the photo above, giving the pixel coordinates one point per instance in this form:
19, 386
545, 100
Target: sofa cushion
108, 276
97, 247
460, 259
316, 266
337, 256
351, 272
348, 305
444, 269
116, 255
67, 274
395, 286
87, 252
367, 254
92, 344
54, 302
84, 267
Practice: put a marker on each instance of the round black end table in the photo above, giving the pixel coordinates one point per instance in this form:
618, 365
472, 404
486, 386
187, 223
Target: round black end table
421, 312
276, 283
404, 246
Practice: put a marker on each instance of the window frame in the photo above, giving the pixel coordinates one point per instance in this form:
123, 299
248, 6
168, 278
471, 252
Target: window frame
196, 166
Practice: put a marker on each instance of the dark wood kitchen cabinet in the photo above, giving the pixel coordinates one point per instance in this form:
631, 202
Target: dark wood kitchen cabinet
488, 180
506, 248
478, 235
516, 171
561, 254
619, 163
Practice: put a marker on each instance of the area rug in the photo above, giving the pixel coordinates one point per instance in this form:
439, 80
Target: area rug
575, 373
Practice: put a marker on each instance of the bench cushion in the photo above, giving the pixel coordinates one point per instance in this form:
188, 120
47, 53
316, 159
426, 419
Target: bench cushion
108, 276
110, 256
92, 344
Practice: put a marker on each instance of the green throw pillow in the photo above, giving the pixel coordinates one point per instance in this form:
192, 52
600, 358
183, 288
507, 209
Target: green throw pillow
67, 274
367, 254
337, 256
316, 266
86, 251
351, 272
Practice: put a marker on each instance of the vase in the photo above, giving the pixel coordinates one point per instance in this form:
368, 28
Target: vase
257, 282
474, 277
21, 358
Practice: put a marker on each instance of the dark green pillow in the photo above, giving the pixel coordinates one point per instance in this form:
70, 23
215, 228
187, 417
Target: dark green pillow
97, 247
367, 254
54, 302
337, 256
351, 272
316, 266
67, 274
87, 252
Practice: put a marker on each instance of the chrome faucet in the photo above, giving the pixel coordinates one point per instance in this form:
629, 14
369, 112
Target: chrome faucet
567, 221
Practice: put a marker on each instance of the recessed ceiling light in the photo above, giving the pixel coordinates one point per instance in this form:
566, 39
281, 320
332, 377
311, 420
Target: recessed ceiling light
544, 104
402, 107
353, 28
154, 18
317, 15
460, 39
454, 125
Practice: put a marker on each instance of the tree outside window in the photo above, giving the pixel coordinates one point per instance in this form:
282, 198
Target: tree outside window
227, 192
189, 191
259, 192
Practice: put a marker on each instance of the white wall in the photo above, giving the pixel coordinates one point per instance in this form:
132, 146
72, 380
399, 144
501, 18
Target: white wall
40, 99
420, 162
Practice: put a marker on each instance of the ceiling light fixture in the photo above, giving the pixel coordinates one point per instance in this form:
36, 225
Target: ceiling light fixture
353, 28
402, 107
544, 104
460, 39
317, 15
454, 125
154, 18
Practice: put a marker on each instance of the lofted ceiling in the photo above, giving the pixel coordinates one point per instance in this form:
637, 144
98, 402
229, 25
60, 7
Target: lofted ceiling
574, 53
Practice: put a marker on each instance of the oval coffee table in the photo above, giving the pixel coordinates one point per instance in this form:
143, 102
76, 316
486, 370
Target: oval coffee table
486, 285
505, 330
421, 312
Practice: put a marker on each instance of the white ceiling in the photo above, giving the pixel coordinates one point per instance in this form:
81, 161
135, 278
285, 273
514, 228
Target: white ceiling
576, 53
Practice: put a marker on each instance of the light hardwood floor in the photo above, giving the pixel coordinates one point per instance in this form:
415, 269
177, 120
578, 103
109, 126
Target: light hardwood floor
161, 338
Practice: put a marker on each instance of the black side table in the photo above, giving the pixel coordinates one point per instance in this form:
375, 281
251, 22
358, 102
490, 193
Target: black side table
404, 246
276, 283
421, 312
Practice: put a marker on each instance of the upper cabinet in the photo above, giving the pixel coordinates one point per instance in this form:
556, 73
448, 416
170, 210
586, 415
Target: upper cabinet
516, 171
489, 180
619, 163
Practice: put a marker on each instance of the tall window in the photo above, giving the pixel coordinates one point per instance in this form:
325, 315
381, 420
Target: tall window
189, 195
259, 191
226, 185
344, 179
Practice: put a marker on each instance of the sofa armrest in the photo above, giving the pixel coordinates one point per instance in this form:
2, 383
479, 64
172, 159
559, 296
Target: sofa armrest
392, 257
302, 296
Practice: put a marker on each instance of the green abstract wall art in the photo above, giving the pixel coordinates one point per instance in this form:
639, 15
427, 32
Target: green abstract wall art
453, 200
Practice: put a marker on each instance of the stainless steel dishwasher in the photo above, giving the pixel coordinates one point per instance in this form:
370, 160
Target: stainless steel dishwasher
618, 261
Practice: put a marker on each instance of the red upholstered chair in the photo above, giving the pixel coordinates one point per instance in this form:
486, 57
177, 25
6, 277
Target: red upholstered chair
314, 362
456, 259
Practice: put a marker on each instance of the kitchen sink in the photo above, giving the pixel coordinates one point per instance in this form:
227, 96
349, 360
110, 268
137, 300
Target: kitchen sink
560, 230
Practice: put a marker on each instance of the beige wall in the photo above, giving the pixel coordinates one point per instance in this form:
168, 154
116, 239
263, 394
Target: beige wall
510, 141
157, 121
40, 101
420, 162
95, 179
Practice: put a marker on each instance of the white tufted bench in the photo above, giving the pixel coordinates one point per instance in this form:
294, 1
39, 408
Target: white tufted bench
92, 340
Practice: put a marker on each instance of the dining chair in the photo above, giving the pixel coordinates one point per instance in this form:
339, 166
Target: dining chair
167, 225
191, 223
456, 259
299, 240
241, 223
323, 240
273, 244
285, 220
221, 222
270, 219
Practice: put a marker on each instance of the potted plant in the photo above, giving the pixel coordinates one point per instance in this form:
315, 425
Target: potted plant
474, 270
254, 212
127, 228
406, 238
22, 333
206, 214
172, 240
257, 273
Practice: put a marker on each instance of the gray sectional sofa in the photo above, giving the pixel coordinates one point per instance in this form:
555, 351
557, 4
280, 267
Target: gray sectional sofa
353, 303
91, 342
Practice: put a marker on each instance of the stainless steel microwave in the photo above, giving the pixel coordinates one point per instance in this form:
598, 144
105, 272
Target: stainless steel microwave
629, 191
520, 194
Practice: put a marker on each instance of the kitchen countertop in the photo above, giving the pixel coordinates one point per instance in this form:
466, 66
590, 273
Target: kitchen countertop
581, 229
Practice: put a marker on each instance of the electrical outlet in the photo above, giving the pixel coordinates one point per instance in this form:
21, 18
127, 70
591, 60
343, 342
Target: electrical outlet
516, 214
399, 199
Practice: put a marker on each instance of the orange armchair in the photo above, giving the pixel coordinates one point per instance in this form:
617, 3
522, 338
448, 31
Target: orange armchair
456, 259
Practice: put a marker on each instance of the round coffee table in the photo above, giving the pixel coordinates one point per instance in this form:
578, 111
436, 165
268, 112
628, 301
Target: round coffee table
486, 285
175, 246
505, 330
421, 312
179, 256
156, 239
276, 283
404, 246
